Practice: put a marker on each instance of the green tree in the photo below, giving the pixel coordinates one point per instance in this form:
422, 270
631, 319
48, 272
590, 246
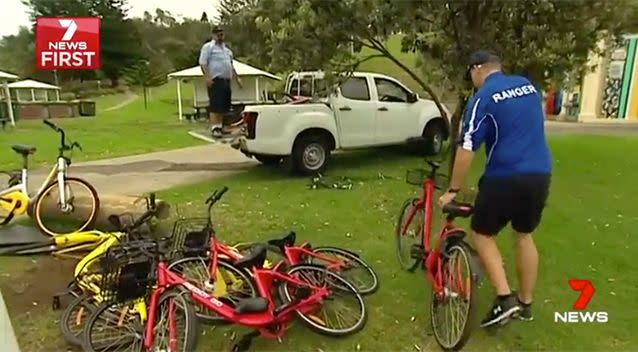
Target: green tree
533, 37
119, 37
17, 53
142, 75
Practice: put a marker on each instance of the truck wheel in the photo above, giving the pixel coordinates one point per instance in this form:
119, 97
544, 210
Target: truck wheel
433, 136
268, 159
310, 154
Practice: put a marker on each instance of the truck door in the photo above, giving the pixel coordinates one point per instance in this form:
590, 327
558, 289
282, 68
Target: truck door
355, 112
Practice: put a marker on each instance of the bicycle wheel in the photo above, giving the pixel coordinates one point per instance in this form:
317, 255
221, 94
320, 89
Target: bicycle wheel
413, 235
341, 294
173, 306
452, 314
114, 327
48, 202
354, 269
74, 318
230, 284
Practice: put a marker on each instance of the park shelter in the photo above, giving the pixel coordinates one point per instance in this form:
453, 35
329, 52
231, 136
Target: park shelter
610, 91
255, 84
30, 90
4, 80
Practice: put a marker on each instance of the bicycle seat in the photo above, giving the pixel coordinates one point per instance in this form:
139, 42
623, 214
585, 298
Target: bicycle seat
287, 240
434, 164
23, 149
251, 305
458, 210
256, 258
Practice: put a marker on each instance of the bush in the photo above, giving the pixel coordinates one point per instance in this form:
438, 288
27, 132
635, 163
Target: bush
89, 89
67, 96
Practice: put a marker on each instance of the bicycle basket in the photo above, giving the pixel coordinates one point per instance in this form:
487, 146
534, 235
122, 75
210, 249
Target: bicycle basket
416, 176
191, 237
127, 274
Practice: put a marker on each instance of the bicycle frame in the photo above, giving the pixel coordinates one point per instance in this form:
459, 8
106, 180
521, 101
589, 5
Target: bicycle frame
20, 192
293, 255
263, 279
432, 257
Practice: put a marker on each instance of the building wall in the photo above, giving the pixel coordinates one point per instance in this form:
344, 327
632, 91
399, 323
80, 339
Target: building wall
611, 91
592, 88
632, 109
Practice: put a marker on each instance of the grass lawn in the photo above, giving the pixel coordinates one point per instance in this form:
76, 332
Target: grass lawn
125, 131
586, 233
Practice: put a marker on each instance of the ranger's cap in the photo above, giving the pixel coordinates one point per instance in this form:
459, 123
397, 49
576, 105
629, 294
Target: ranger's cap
480, 57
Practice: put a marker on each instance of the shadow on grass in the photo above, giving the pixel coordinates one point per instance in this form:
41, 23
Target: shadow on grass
368, 163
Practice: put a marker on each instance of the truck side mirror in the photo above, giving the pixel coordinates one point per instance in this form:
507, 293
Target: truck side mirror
413, 98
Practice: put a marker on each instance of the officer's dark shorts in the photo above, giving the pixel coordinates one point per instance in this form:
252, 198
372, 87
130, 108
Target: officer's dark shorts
219, 95
518, 199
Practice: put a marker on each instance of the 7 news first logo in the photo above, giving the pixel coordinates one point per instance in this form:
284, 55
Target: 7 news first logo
67, 43
587, 290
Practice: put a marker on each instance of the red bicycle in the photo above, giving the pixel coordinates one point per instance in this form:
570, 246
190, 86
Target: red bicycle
303, 290
450, 265
200, 266
342, 261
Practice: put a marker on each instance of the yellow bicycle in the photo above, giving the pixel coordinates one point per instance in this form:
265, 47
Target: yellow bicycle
87, 276
16, 200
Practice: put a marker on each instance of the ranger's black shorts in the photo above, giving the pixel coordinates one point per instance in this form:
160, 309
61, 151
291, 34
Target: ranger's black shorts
219, 95
518, 199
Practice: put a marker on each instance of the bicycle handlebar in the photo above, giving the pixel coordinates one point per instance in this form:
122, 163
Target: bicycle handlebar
216, 195
151, 211
214, 198
63, 145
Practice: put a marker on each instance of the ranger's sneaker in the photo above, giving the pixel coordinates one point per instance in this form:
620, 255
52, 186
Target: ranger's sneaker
502, 311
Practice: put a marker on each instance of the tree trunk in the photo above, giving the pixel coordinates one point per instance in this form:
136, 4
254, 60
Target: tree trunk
455, 125
145, 99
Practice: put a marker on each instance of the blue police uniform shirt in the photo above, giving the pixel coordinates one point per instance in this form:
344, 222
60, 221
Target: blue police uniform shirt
218, 58
506, 114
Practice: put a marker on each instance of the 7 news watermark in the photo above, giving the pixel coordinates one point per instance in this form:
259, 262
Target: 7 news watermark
587, 290
67, 43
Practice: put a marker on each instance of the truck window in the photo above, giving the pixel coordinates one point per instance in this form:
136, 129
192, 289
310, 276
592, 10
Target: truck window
301, 87
294, 87
355, 88
390, 92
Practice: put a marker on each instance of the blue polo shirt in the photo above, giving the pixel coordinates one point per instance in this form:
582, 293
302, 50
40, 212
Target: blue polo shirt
506, 114
218, 58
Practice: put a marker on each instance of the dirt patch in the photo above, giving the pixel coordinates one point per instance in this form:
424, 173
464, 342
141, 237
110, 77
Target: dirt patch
32, 287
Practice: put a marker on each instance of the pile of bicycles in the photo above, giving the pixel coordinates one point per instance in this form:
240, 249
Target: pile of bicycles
139, 292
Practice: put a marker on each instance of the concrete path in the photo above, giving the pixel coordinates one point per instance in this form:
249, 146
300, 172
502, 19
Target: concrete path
129, 99
7, 335
611, 127
138, 174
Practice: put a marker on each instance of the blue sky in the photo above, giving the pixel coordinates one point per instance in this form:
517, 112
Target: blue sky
14, 13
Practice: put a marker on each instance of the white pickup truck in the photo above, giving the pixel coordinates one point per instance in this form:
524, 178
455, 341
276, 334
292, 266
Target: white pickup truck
365, 110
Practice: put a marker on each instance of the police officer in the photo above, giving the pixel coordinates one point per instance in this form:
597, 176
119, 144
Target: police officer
506, 115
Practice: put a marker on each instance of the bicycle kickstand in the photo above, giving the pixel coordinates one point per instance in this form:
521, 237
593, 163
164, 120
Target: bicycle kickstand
244, 343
